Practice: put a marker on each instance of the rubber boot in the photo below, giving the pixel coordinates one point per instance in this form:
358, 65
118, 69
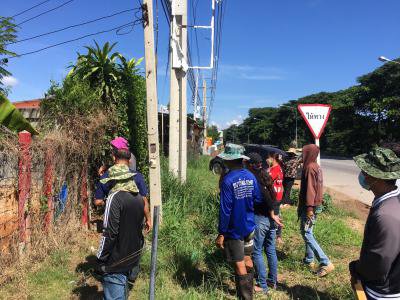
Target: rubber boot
244, 286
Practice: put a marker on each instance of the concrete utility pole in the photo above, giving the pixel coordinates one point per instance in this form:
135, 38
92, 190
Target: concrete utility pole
204, 117
152, 107
178, 102
152, 135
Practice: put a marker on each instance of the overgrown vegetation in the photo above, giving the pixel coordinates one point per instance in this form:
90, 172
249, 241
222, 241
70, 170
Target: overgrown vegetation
102, 82
362, 115
189, 265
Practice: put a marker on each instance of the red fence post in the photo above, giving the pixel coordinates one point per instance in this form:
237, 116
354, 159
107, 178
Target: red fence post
24, 180
48, 188
84, 197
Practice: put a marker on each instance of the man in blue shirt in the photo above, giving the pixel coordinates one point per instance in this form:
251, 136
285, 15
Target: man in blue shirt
239, 191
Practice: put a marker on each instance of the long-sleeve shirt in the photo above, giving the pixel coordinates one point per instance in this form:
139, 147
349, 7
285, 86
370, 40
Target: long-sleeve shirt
122, 239
239, 191
268, 200
379, 263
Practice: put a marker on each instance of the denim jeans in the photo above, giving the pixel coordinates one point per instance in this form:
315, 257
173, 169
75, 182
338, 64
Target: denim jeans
264, 238
115, 286
312, 247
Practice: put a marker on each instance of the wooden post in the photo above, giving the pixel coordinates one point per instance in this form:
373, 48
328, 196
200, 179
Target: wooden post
319, 154
24, 183
152, 107
48, 188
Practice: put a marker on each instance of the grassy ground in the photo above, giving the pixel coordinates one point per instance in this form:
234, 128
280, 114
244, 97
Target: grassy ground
189, 266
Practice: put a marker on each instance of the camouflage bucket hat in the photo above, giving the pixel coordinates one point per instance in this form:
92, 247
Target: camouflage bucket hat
123, 178
380, 163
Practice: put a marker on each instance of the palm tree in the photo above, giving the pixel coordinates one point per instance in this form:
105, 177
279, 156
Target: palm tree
99, 67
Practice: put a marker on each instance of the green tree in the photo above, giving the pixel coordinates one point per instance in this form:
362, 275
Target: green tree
99, 67
212, 131
7, 35
133, 92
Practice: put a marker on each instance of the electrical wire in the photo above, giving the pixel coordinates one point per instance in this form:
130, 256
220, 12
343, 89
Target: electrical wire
78, 38
218, 37
45, 12
69, 27
28, 9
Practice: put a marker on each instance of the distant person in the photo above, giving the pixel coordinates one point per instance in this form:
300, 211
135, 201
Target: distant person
239, 191
310, 200
122, 240
275, 163
378, 267
290, 167
265, 234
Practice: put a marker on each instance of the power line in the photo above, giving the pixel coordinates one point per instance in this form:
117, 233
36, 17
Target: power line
69, 27
45, 12
28, 9
79, 38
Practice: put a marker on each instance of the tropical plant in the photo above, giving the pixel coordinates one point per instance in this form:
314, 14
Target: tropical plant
133, 92
7, 35
12, 118
99, 68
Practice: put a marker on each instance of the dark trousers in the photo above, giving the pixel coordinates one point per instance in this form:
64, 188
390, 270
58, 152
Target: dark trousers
287, 187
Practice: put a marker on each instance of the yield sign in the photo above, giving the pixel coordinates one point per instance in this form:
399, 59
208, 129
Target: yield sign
316, 116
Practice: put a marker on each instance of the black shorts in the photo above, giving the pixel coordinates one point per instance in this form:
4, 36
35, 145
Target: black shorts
236, 250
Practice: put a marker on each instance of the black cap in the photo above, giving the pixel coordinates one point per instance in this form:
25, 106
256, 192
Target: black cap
255, 158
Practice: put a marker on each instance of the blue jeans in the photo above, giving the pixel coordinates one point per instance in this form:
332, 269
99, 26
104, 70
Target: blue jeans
115, 286
312, 246
264, 238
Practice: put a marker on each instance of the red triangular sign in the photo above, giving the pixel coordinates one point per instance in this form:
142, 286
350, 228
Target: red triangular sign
316, 116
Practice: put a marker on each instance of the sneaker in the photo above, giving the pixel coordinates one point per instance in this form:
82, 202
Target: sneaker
325, 270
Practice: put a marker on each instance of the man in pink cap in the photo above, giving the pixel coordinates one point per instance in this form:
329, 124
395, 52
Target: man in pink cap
122, 160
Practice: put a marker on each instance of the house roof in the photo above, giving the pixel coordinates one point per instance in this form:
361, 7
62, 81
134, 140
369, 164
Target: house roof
34, 103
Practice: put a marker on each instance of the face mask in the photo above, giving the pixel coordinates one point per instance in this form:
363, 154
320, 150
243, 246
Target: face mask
363, 182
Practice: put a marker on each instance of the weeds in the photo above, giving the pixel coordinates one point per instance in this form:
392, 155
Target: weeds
189, 265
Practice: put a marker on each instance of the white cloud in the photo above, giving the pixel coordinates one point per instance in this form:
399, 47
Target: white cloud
9, 81
261, 77
236, 121
213, 123
248, 72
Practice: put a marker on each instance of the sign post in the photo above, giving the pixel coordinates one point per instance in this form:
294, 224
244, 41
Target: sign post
316, 116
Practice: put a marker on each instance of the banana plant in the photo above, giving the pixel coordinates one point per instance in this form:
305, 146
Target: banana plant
12, 118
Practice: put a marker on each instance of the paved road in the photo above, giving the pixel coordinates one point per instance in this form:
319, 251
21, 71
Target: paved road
342, 175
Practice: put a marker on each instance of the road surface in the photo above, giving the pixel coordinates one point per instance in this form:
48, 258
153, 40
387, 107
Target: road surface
342, 176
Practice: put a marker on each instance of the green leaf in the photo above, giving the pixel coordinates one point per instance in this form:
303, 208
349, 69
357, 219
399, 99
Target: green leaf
12, 118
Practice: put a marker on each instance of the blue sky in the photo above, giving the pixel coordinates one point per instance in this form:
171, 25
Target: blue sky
272, 51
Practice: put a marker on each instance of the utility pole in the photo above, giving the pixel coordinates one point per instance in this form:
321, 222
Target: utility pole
152, 135
152, 106
178, 102
204, 117
162, 128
